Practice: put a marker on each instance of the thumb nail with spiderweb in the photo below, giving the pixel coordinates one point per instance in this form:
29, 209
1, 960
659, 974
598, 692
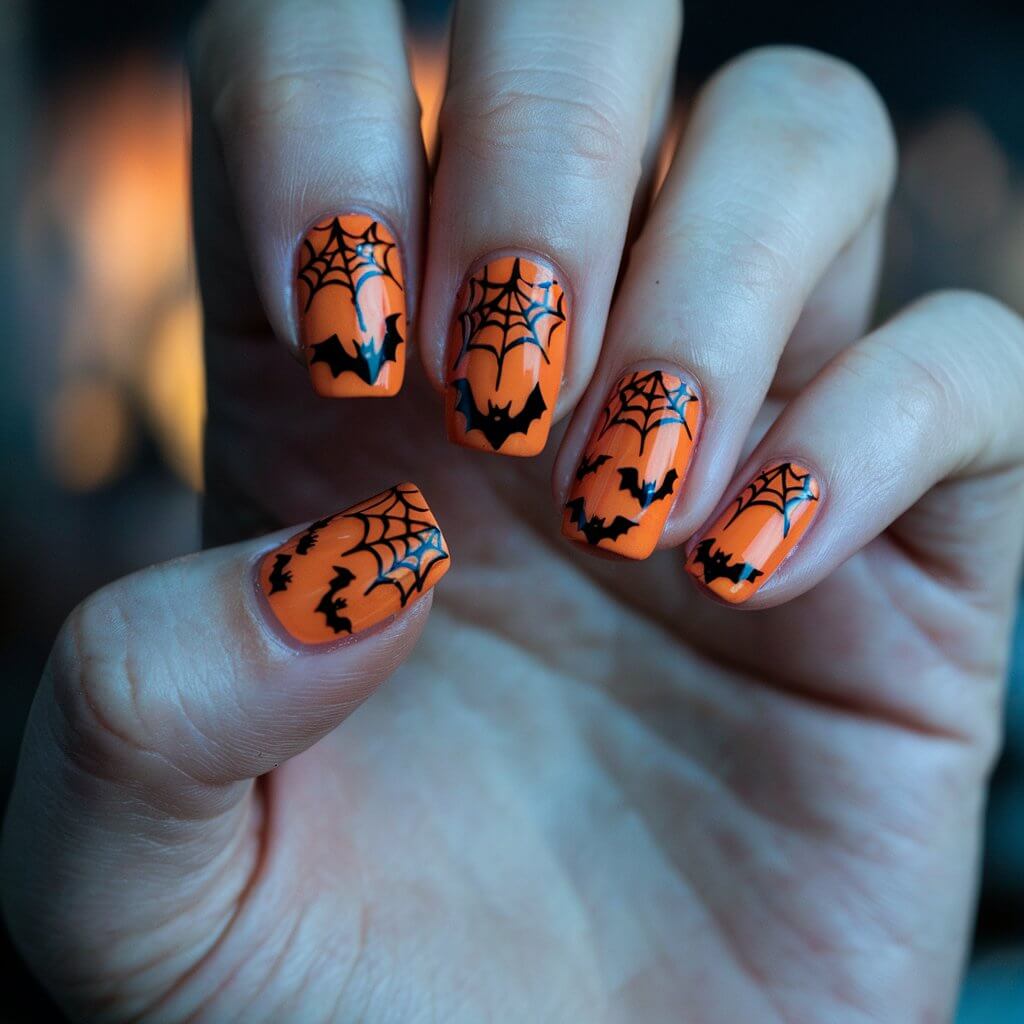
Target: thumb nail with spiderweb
348, 572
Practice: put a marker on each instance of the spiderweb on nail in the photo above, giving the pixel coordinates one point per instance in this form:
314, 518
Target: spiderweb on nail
781, 488
646, 401
400, 534
522, 312
346, 260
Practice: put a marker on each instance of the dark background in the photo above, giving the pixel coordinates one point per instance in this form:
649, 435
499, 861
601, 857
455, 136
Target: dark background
100, 375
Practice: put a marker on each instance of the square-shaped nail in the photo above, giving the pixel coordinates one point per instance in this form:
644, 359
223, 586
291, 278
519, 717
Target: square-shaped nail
350, 292
506, 352
349, 571
756, 532
634, 464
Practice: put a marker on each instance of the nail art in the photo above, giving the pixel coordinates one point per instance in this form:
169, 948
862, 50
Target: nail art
344, 574
633, 465
506, 352
352, 310
756, 532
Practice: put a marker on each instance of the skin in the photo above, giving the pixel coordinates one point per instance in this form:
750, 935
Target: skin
588, 792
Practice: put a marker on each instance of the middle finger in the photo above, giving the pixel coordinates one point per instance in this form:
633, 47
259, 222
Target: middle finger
549, 109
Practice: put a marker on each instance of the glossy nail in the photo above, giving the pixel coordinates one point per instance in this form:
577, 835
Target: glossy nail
753, 536
506, 351
352, 311
343, 574
634, 464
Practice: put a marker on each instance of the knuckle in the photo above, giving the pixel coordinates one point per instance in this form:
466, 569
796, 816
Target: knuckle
576, 131
308, 97
823, 103
259, 63
738, 253
976, 310
921, 393
108, 714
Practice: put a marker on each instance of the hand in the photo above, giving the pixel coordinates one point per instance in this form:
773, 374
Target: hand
591, 792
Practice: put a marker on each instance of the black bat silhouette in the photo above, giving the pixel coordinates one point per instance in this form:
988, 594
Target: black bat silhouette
594, 527
367, 361
309, 536
279, 576
331, 605
588, 465
647, 492
720, 565
497, 424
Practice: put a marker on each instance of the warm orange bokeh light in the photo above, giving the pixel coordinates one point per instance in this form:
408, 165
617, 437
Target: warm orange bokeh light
116, 193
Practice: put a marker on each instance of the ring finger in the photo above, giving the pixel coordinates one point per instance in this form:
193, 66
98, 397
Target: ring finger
772, 199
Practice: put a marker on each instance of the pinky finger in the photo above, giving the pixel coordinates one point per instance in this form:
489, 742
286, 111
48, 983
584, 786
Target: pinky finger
931, 398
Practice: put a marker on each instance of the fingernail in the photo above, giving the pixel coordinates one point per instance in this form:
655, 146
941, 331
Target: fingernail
352, 311
343, 574
633, 464
505, 356
753, 536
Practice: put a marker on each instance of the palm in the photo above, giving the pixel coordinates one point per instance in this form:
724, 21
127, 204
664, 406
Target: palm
590, 790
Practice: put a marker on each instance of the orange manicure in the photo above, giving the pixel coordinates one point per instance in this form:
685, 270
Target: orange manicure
506, 353
346, 573
756, 532
633, 465
352, 311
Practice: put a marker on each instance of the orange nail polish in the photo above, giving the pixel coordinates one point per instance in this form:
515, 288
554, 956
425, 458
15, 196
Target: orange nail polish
356, 568
352, 311
756, 532
633, 464
506, 354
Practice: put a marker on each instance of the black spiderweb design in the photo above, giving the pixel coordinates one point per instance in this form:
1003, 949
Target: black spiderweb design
347, 261
403, 539
513, 308
646, 401
781, 488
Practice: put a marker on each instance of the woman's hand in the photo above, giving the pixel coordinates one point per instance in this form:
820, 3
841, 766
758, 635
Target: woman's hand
591, 793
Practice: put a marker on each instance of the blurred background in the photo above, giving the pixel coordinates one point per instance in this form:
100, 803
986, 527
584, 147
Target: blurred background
101, 381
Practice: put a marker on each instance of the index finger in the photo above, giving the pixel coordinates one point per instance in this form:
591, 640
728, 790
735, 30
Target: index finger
309, 169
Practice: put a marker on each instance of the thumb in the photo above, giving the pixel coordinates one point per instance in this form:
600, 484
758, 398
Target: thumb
169, 691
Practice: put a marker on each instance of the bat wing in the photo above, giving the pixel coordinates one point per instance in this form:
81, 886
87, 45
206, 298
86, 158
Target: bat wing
331, 605
702, 557
338, 360
533, 408
392, 339
617, 527
466, 404
667, 485
631, 482
577, 512
588, 465
280, 576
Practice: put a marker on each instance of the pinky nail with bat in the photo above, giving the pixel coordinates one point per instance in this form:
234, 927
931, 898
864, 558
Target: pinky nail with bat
756, 532
506, 351
349, 571
350, 292
634, 464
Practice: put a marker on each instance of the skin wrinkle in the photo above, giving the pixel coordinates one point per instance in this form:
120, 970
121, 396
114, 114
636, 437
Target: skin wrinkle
814, 827
246, 899
609, 779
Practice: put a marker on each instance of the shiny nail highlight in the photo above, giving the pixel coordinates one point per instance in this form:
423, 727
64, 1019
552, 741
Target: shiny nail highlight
756, 532
349, 571
352, 309
506, 352
633, 465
